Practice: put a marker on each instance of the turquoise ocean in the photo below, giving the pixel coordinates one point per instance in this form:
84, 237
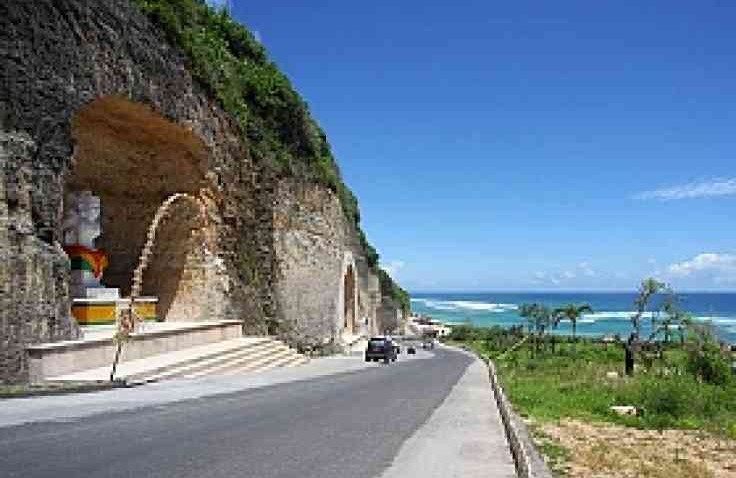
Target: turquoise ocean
612, 310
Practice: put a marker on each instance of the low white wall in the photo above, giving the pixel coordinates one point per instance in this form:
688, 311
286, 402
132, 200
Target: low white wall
61, 358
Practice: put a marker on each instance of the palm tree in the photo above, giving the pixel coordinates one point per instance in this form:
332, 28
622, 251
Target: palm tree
572, 313
545, 319
540, 318
530, 312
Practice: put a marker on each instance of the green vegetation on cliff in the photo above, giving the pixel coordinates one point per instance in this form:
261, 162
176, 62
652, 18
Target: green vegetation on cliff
226, 58
389, 288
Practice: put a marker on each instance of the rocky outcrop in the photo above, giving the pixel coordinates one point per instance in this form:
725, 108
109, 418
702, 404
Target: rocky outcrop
93, 97
314, 250
34, 277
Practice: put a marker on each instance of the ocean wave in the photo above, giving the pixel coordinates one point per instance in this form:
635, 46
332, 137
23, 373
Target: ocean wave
499, 308
716, 319
626, 315
616, 315
465, 305
487, 306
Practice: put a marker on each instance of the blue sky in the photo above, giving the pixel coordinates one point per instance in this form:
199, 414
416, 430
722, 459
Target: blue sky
526, 145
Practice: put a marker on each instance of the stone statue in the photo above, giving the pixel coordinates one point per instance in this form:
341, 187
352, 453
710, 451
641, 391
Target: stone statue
81, 226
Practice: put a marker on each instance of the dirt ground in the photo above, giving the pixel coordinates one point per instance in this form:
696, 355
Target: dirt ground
596, 450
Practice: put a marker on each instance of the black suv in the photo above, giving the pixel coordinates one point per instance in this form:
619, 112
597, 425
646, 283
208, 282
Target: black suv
380, 348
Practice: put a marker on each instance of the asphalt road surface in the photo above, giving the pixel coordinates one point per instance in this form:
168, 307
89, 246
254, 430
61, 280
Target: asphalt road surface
345, 425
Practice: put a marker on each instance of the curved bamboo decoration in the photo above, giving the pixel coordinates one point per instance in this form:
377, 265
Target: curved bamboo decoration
127, 319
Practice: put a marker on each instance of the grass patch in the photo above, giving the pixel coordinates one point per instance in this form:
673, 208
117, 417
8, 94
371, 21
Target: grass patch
685, 428
575, 381
54, 388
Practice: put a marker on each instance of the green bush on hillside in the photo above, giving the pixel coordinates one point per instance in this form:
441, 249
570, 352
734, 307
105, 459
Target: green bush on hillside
705, 359
711, 366
227, 59
389, 288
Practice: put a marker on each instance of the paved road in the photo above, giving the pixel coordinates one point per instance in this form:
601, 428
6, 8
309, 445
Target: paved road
345, 425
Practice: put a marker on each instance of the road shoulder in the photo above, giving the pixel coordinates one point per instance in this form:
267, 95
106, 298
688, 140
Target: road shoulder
464, 437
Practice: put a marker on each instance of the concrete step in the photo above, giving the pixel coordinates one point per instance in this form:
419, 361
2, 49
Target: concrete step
211, 366
288, 361
260, 362
197, 362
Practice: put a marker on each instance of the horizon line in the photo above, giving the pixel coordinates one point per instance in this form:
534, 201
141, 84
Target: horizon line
561, 291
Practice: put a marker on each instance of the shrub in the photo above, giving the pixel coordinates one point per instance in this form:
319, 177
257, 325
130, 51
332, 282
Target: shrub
705, 359
666, 398
711, 367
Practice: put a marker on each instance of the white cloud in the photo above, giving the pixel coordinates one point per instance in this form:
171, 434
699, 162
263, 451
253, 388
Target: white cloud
393, 267
581, 271
721, 266
697, 189
257, 36
586, 270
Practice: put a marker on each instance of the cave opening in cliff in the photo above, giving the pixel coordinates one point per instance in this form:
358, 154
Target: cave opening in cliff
349, 300
128, 160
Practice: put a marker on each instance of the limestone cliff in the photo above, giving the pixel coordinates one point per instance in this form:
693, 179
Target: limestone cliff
120, 98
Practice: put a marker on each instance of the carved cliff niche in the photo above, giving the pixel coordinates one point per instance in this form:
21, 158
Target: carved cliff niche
133, 158
349, 300
349, 296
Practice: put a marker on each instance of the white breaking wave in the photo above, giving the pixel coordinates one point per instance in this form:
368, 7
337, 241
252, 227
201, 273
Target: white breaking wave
466, 305
728, 323
716, 319
591, 318
616, 315
471, 305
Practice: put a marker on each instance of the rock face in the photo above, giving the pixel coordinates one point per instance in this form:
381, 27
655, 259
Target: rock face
92, 97
390, 316
324, 286
34, 275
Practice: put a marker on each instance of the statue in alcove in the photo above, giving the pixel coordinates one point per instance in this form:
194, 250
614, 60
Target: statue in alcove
81, 226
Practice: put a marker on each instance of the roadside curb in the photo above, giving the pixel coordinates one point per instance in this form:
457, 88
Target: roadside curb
529, 463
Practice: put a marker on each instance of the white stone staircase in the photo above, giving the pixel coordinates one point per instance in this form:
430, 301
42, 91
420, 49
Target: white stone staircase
229, 357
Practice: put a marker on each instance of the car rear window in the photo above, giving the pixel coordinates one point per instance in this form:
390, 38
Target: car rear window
377, 342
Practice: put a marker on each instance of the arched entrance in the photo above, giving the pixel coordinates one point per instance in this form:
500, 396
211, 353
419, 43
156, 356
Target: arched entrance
349, 305
128, 159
